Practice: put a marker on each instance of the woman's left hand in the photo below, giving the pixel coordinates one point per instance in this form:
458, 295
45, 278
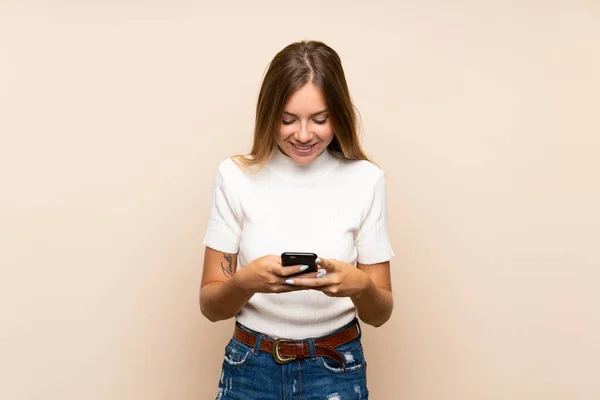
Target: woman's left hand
335, 279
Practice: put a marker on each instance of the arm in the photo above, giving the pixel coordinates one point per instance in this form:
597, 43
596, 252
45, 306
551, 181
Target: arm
374, 304
368, 286
223, 291
220, 296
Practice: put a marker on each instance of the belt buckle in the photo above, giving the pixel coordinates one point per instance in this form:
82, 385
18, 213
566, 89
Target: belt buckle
277, 356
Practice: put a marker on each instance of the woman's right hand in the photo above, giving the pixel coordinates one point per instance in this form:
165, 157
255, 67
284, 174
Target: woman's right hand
266, 275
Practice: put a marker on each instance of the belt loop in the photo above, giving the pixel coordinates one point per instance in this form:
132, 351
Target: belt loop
256, 349
311, 346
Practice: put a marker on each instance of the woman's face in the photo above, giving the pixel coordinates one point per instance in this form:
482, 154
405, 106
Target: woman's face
305, 130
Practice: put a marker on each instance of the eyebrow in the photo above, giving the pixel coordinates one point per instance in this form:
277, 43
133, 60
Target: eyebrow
312, 115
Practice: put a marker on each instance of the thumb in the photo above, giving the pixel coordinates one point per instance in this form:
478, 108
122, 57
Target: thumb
326, 264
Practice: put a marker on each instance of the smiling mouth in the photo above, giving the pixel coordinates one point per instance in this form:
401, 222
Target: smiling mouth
304, 147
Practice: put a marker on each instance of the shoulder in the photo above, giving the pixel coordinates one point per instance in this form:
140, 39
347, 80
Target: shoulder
362, 171
229, 170
228, 177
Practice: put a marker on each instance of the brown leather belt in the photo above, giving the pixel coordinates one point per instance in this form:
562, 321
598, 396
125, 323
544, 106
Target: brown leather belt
286, 350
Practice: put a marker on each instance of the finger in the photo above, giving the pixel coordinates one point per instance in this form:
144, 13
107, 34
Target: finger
286, 271
312, 283
326, 264
319, 274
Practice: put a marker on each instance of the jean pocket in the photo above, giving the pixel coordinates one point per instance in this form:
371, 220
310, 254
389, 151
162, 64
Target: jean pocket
353, 356
237, 354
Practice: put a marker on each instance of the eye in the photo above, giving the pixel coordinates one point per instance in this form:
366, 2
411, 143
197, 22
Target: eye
320, 121
287, 122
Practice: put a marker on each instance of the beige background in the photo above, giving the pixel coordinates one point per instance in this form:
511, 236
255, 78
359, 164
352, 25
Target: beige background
115, 114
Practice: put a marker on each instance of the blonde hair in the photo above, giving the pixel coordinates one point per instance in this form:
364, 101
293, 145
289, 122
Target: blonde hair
293, 67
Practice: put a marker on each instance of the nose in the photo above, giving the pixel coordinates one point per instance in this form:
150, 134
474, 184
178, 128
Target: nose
303, 135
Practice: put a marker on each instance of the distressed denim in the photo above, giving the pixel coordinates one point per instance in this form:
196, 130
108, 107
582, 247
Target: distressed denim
251, 374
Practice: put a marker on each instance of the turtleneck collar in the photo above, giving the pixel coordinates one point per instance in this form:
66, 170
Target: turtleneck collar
284, 165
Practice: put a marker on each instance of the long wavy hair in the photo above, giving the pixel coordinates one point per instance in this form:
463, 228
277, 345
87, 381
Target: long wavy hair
293, 67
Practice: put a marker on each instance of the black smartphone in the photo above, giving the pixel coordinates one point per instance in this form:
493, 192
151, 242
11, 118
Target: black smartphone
290, 258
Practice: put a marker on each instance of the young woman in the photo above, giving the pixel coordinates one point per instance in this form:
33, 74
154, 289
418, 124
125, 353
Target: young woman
306, 186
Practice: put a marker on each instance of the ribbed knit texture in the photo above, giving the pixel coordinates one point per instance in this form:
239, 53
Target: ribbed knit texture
334, 208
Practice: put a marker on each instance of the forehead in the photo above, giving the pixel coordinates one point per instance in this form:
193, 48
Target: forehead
306, 101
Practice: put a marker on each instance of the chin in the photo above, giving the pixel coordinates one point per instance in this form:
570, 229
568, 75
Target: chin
303, 160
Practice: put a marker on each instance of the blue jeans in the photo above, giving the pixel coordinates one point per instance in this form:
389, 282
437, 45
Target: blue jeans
251, 374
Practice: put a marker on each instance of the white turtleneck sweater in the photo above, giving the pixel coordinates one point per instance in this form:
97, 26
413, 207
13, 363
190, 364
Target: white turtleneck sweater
332, 207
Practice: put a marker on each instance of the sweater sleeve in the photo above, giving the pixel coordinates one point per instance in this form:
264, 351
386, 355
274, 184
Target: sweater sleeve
372, 241
224, 223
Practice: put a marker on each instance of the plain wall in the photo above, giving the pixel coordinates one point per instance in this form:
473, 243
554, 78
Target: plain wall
484, 114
